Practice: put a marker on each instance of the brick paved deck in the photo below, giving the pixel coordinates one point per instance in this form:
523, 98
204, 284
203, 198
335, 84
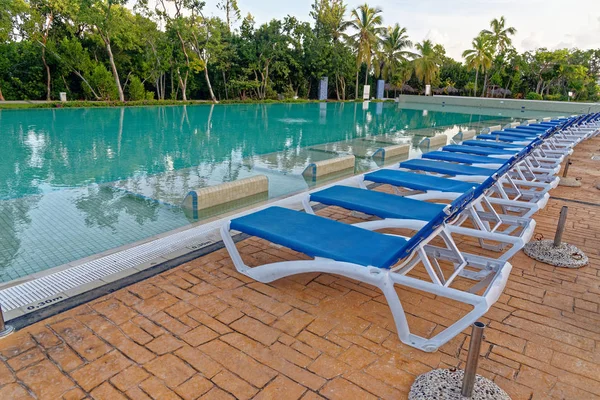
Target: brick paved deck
204, 331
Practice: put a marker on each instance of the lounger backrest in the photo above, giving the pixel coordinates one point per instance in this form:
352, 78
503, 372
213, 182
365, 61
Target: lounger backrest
455, 208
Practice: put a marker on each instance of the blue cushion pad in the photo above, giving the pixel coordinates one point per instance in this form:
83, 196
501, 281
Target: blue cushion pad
462, 158
488, 143
383, 205
447, 168
483, 151
420, 182
504, 137
321, 237
518, 132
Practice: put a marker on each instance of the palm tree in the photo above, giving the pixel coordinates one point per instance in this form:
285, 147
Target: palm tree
427, 62
479, 57
499, 34
403, 74
366, 20
394, 45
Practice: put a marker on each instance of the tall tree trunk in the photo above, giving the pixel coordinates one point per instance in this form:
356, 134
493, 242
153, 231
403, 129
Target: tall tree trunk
225, 84
367, 75
183, 84
1, 96
356, 88
113, 66
476, 79
210, 90
48, 75
539, 85
506, 88
484, 84
337, 90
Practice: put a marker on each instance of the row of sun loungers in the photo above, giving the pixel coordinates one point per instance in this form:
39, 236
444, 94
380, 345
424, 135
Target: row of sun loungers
487, 189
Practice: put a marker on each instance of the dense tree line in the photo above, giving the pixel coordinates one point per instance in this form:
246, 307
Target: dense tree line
170, 49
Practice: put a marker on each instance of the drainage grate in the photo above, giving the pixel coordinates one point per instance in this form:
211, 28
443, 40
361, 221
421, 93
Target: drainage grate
50, 285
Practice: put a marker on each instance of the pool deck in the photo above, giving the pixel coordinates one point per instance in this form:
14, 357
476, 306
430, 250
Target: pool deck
202, 330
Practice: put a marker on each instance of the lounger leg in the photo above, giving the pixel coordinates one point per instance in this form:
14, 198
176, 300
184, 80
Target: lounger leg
389, 291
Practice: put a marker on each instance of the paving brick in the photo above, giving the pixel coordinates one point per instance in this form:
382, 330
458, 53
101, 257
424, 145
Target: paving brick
217, 394
375, 386
66, 358
357, 357
234, 385
81, 339
539, 381
194, 387
293, 322
200, 361
281, 388
239, 363
290, 354
107, 392
342, 389
328, 367
129, 378
16, 344
26, 359
115, 311
14, 392
6, 375
156, 389
137, 393
170, 369
135, 333
165, 344
256, 330
45, 337
74, 394
93, 374
199, 336
45, 380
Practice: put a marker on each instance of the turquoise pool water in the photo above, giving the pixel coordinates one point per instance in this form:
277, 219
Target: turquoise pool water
76, 182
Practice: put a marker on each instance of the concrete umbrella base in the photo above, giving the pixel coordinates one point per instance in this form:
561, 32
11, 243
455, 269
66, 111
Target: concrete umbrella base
446, 384
569, 182
565, 255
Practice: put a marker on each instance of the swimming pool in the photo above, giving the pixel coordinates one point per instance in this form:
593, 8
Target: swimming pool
77, 182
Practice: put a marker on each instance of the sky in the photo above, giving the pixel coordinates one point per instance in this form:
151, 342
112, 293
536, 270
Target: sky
454, 23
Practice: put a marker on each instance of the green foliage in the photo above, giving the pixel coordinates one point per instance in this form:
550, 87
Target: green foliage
92, 47
102, 81
552, 97
533, 96
136, 89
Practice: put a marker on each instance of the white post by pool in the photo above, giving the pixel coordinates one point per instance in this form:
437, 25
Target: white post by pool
5, 330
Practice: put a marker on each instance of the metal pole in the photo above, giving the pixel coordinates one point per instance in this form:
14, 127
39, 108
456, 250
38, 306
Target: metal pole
567, 164
562, 220
5, 330
472, 360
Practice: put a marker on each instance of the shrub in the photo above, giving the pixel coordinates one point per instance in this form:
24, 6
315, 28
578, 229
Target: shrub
103, 82
533, 96
553, 97
137, 91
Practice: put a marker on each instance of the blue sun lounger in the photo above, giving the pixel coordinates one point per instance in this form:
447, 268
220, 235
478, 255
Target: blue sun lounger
383, 261
393, 210
526, 196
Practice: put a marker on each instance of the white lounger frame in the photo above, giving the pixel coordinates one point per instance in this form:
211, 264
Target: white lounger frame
496, 275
